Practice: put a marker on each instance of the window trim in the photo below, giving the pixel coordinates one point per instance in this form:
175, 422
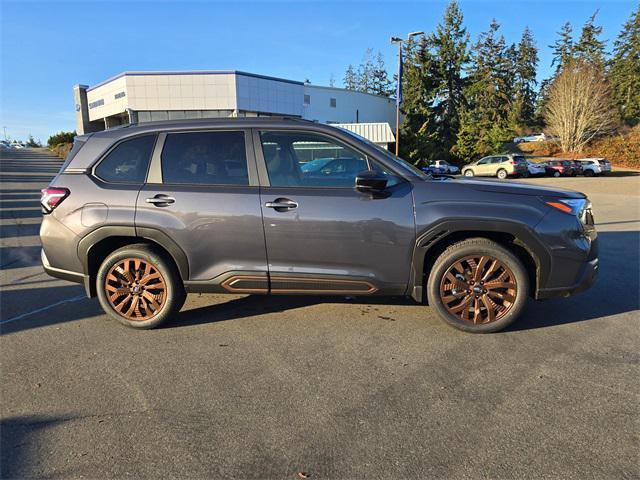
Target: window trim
155, 177
263, 173
113, 147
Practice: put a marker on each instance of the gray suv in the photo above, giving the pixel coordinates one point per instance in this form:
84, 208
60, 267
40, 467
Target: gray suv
144, 214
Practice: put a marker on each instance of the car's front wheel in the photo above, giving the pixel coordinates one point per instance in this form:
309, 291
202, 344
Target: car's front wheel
478, 286
139, 287
468, 173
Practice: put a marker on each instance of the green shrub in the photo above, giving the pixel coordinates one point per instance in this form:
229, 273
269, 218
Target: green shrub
60, 137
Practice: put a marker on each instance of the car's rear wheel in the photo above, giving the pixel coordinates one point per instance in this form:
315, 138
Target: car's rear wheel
556, 174
588, 173
468, 173
502, 174
139, 287
478, 286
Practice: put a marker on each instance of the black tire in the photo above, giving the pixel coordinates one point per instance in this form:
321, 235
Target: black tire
502, 174
174, 293
480, 247
588, 173
556, 174
468, 173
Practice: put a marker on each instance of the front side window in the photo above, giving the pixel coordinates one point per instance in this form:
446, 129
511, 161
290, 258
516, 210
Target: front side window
295, 159
128, 161
205, 158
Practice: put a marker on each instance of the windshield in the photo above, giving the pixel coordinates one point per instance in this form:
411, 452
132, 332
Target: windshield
397, 161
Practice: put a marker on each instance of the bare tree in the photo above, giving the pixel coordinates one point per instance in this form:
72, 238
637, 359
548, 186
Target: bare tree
579, 106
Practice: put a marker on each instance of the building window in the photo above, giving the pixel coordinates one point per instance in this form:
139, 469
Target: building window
119, 95
307, 99
332, 102
97, 103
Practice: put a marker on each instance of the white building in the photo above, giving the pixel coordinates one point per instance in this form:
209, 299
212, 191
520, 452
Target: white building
155, 96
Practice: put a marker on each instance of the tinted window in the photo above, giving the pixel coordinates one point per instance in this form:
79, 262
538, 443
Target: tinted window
205, 158
307, 159
485, 161
128, 161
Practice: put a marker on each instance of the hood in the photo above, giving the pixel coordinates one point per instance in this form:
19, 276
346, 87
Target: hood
515, 188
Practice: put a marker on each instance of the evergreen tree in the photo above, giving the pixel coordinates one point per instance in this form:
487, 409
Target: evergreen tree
488, 93
589, 47
624, 71
562, 47
450, 48
526, 64
366, 73
381, 85
350, 79
419, 140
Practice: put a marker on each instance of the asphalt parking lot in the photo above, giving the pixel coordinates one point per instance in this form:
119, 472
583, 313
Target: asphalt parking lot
258, 387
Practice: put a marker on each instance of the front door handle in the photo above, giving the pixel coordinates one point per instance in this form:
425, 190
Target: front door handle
282, 204
161, 200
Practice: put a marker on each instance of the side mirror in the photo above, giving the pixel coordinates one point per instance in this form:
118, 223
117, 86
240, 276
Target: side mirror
370, 181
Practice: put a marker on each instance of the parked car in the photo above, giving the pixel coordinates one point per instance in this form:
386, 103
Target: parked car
445, 166
536, 169
590, 166
432, 170
605, 165
577, 166
539, 137
223, 205
561, 168
501, 166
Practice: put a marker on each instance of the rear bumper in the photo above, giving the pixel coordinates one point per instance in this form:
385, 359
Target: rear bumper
68, 275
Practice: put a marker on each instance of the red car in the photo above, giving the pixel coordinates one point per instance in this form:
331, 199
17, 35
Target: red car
564, 168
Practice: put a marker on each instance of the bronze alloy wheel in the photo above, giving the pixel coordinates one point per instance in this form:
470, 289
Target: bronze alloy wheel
478, 289
136, 289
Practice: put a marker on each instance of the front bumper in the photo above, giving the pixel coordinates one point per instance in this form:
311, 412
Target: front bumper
586, 279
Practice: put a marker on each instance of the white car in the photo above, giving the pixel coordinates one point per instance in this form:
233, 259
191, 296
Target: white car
540, 137
591, 166
536, 168
445, 166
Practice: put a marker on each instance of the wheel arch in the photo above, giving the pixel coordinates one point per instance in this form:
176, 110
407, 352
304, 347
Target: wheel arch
516, 237
95, 247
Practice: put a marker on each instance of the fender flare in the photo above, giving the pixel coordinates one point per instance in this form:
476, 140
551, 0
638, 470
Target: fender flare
157, 236
435, 233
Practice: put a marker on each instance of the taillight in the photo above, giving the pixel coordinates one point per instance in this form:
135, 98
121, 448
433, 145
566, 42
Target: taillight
52, 197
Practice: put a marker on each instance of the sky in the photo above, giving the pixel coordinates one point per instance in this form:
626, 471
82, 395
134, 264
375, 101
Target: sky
47, 47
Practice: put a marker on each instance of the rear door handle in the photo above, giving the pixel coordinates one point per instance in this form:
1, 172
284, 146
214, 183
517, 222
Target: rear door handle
161, 200
282, 204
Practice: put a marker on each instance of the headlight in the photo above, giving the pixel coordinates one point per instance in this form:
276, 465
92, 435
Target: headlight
572, 206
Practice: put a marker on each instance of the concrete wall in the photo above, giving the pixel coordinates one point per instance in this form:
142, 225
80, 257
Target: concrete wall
266, 95
351, 107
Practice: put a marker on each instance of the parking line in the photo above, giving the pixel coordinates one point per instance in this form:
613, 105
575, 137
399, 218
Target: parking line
61, 302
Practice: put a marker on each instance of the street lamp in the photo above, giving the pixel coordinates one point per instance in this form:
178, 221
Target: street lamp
399, 41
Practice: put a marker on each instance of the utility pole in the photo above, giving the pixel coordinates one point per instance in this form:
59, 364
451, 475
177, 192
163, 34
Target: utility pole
399, 41
5, 133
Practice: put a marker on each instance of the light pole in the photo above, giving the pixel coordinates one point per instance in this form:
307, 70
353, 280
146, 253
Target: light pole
399, 41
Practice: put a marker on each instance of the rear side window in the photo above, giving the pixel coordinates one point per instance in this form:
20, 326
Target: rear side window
128, 161
205, 158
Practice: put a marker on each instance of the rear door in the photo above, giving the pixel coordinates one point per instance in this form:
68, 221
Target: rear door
202, 192
322, 235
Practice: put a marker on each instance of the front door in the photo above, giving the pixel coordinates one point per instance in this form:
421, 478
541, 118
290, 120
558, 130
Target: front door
202, 192
321, 234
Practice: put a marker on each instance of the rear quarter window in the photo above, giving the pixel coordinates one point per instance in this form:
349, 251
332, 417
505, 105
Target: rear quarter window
128, 161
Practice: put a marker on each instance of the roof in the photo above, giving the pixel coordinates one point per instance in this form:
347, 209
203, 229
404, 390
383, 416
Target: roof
193, 72
375, 132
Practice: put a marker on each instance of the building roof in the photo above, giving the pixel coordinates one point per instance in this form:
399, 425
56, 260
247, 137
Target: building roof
376, 132
194, 72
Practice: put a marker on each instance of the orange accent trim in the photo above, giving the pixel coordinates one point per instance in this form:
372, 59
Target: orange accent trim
370, 288
560, 206
228, 284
